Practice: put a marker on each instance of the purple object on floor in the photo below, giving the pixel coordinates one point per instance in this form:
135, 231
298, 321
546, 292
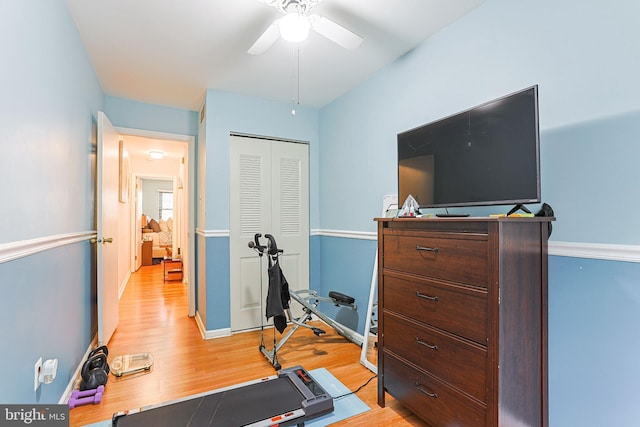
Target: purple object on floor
84, 393
96, 398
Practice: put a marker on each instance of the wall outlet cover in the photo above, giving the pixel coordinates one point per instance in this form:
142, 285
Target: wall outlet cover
36, 374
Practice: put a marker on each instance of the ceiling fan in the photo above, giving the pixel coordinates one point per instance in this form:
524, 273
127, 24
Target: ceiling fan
296, 23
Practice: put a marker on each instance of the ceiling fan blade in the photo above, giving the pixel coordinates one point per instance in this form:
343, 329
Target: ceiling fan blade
266, 40
335, 32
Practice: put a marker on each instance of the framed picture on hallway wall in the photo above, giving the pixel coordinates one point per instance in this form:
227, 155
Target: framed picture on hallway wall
123, 158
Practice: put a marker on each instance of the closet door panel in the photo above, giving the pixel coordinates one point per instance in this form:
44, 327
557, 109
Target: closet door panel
249, 213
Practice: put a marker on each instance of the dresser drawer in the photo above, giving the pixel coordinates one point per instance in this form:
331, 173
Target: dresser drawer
460, 259
460, 310
432, 400
459, 363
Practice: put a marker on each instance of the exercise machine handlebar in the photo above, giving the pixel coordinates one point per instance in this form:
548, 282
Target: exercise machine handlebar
255, 244
273, 247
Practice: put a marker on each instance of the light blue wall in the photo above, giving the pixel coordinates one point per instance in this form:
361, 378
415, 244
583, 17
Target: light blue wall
49, 92
49, 96
584, 76
347, 267
46, 311
583, 57
218, 304
590, 177
594, 343
150, 196
139, 115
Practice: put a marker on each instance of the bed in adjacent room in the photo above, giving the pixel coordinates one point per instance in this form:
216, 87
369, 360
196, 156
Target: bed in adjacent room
160, 232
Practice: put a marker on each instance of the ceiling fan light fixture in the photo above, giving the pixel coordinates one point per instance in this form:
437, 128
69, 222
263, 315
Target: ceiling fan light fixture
294, 27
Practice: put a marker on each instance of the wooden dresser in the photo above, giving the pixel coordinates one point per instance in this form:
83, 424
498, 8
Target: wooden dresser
462, 305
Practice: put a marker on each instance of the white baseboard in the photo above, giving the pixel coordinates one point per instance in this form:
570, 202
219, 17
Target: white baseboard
207, 335
123, 285
76, 375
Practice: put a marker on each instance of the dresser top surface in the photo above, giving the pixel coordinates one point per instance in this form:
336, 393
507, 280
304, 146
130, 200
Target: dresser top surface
470, 219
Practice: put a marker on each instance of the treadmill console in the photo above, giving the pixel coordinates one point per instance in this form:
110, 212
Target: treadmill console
309, 382
317, 401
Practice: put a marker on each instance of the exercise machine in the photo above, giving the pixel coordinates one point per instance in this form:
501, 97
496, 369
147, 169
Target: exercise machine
289, 398
308, 299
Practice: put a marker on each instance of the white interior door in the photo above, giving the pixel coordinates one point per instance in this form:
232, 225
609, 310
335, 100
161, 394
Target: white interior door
269, 194
107, 228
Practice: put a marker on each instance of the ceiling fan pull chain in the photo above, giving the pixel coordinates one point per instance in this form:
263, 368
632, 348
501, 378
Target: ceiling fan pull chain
295, 98
298, 75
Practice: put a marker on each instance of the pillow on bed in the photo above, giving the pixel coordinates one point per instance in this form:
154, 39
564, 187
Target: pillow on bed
153, 224
170, 224
163, 225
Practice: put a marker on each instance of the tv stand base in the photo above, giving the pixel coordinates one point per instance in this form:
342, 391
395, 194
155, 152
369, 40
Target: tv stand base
518, 207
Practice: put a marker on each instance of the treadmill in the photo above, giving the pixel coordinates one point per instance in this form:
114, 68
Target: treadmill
289, 398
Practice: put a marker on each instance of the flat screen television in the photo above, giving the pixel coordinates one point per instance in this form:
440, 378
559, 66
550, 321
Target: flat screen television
487, 155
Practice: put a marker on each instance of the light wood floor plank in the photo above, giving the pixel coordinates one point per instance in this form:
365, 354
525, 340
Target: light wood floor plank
153, 318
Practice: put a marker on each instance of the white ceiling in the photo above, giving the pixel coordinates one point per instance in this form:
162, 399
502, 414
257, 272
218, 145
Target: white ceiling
168, 52
139, 147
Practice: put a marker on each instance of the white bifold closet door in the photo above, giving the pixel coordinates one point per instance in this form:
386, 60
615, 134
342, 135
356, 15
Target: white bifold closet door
269, 194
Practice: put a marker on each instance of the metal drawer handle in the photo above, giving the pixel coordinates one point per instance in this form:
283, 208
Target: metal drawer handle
430, 298
431, 346
424, 248
428, 393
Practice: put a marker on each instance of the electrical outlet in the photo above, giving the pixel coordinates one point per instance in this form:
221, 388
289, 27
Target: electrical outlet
37, 371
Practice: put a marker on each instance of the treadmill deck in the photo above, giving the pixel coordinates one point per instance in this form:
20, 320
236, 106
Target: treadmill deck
289, 398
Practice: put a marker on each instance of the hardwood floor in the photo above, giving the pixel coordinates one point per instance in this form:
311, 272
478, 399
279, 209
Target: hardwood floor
153, 318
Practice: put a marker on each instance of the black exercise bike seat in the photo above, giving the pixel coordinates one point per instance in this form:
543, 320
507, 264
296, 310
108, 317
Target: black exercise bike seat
341, 298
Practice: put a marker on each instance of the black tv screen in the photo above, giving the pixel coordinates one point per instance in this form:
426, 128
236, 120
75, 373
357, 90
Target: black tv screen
487, 155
